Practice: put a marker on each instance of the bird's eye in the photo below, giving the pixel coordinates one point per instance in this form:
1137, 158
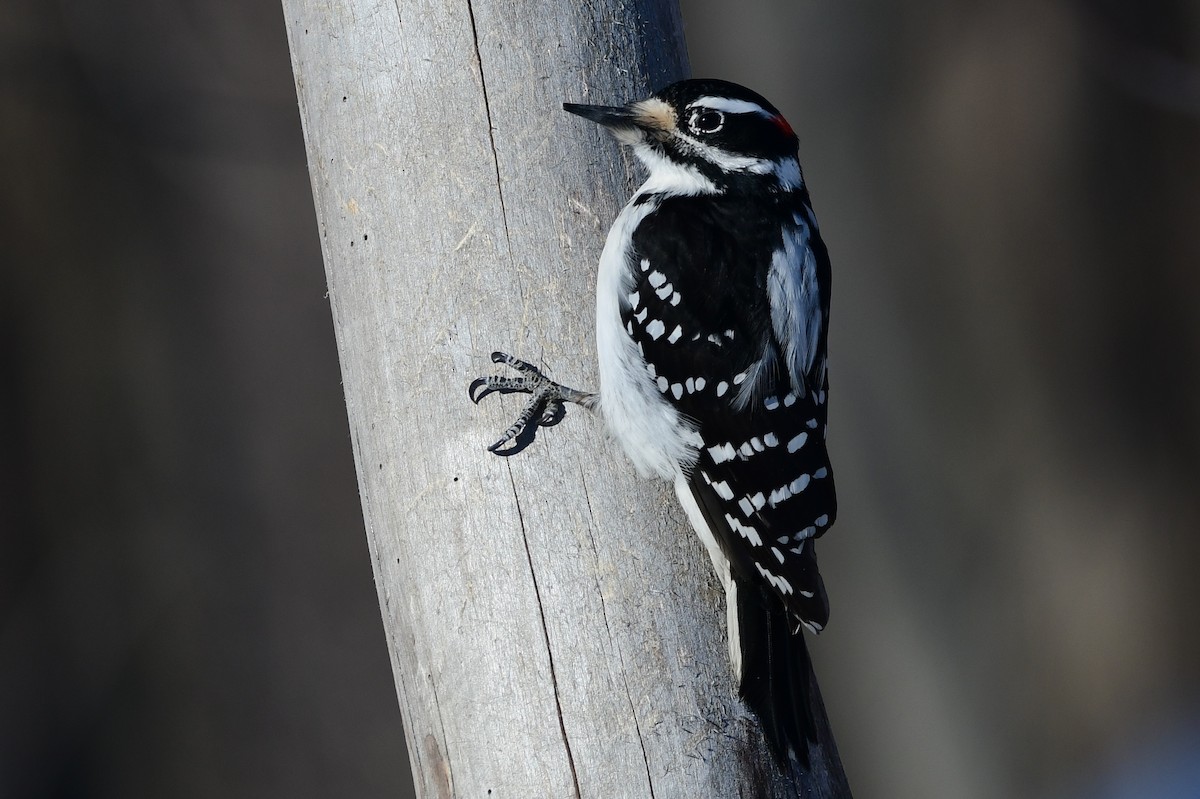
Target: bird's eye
705, 120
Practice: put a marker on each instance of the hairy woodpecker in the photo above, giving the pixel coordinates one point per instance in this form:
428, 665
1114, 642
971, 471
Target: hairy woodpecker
712, 312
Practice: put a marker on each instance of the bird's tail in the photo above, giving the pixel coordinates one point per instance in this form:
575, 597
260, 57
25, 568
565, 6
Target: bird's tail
779, 685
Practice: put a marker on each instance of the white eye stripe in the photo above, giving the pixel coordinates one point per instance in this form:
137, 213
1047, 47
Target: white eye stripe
730, 106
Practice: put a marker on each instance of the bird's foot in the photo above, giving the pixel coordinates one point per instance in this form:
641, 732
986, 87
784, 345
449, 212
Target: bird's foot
544, 409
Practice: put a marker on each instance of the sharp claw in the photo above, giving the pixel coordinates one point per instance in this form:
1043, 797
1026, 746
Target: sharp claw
475, 385
553, 413
513, 432
495, 448
524, 367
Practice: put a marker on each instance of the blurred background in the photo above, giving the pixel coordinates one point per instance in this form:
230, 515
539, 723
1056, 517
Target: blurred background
1011, 196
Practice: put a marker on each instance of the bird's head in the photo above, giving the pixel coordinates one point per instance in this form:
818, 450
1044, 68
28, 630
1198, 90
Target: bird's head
717, 131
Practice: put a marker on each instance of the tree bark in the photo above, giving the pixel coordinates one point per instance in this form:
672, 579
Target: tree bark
554, 626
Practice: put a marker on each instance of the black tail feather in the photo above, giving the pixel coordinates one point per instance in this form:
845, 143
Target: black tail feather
779, 685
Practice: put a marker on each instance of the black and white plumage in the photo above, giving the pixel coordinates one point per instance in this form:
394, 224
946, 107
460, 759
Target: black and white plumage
712, 314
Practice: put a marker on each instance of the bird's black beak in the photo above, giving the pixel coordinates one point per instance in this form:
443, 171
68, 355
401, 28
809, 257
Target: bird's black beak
607, 115
631, 124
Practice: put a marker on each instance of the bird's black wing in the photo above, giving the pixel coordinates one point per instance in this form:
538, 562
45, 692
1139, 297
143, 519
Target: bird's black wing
700, 310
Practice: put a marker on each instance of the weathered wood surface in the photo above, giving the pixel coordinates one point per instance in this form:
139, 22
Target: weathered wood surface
554, 626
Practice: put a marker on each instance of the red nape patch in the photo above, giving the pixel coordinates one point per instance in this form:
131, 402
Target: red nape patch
783, 125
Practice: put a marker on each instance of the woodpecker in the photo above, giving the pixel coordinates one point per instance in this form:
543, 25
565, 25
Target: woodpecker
712, 314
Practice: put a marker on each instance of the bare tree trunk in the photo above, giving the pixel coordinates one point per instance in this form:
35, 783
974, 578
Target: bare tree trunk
554, 626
